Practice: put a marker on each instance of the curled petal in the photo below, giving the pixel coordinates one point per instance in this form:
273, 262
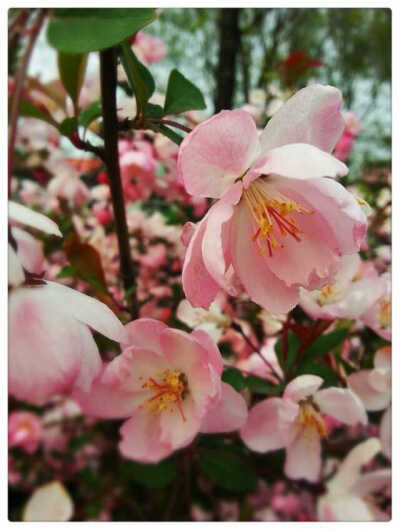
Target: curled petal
22, 214
342, 404
311, 116
217, 152
302, 387
229, 414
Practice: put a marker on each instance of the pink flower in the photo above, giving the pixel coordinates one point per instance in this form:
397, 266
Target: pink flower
344, 146
24, 430
373, 387
51, 349
379, 316
168, 383
295, 422
152, 49
355, 288
348, 496
279, 222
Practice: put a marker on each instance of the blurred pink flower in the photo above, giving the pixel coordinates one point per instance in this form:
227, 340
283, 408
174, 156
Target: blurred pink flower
152, 49
279, 223
168, 383
379, 316
295, 422
24, 430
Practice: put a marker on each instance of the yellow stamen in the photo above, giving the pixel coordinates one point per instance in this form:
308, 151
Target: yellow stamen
170, 389
310, 417
385, 313
271, 212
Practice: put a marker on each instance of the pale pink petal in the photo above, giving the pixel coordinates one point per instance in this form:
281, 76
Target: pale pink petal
49, 351
214, 356
344, 508
145, 333
339, 210
311, 116
179, 427
298, 161
16, 274
362, 385
49, 502
199, 286
141, 438
217, 152
262, 286
229, 414
215, 243
29, 249
268, 424
342, 404
350, 469
303, 456
302, 387
84, 308
372, 482
383, 358
22, 214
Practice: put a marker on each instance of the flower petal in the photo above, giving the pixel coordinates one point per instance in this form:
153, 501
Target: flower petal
302, 387
342, 404
229, 414
22, 214
141, 438
261, 284
84, 308
29, 249
311, 116
297, 161
269, 424
217, 152
303, 456
145, 333
16, 274
50, 502
361, 384
199, 286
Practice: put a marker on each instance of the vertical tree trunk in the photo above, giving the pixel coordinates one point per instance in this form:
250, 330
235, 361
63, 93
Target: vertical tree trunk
229, 46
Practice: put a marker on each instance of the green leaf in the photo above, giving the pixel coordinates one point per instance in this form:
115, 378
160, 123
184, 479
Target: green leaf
139, 77
68, 126
67, 271
85, 30
29, 110
154, 111
261, 386
151, 475
324, 344
228, 470
166, 131
90, 114
182, 95
293, 344
323, 370
234, 377
72, 68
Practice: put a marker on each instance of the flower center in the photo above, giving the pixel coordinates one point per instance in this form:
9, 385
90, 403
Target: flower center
385, 313
310, 417
271, 212
169, 391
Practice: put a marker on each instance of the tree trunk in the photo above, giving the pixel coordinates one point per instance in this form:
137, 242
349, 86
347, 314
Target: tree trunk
229, 46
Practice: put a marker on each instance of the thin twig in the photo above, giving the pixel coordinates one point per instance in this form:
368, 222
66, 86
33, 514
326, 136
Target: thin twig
17, 94
108, 80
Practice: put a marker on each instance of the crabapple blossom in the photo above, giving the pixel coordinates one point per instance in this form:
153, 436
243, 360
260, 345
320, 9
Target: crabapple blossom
213, 321
349, 495
168, 383
279, 223
296, 423
150, 48
373, 387
24, 430
51, 349
356, 287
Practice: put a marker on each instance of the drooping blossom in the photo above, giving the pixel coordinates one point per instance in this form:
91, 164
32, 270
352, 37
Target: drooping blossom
349, 496
351, 131
168, 383
379, 316
279, 222
296, 423
356, 287
373, 387
24, 430
50, 502
213, 321
51, 349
